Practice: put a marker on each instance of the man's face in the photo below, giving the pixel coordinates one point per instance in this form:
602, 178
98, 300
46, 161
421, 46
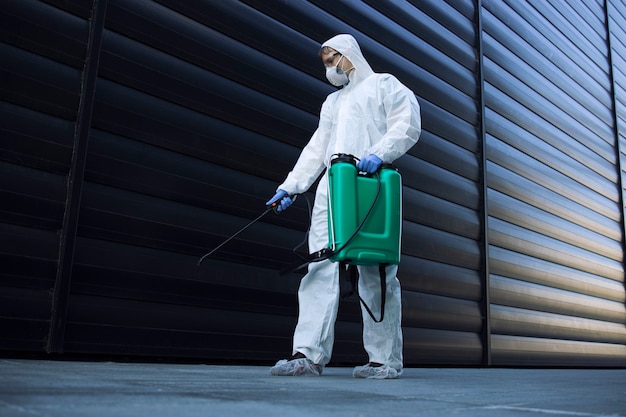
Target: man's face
331, 58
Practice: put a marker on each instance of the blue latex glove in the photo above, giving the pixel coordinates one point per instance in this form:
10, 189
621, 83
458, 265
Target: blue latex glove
369, 164
280, 201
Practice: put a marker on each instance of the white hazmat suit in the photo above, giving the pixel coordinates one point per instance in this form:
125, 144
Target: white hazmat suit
373, 114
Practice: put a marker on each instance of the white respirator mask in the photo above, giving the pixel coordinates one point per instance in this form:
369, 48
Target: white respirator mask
336, 76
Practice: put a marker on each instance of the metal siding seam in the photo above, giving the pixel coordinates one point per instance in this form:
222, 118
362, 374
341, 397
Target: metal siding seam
60, 296
486, 299
616, 125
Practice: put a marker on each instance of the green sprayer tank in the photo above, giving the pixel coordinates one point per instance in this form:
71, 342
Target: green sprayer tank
365, 211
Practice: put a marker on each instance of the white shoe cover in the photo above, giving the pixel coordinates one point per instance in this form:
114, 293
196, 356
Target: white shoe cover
296, 367
376, 372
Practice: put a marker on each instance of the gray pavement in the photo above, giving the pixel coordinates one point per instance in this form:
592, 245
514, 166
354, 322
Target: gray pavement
86, 389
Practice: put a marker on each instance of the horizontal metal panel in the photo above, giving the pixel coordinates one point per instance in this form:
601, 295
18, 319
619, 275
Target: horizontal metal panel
29, 259
502, 107
157, 38
437, 24
75, 7
92, 338
161, 288
551, 201
595, 135
24, 316
436, 347
290, 43
523, 267
30, 242
521, 240
588, 10
45, 30
437, 312
571, 161
603, 149
617, 39
26, 210
23, 335
203, 138
442, 246
116, 110
519, 163
29, 304
520, 214
142, 166
617, 23
33, 139
595, 115
522, 351
568, 29
518, 59
448, 126
447, 155
513, 293
103, 258
556, 107
439, 182
457, 17
440, 214
422, 275
31, 197
125, 313
520, 322
39, 83
543, 38
618, 58
24, 271
174, 127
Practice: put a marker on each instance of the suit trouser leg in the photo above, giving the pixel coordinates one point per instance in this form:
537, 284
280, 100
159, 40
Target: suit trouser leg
382, 341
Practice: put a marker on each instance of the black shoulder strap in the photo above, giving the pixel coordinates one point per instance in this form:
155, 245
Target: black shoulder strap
383, 295
348, 282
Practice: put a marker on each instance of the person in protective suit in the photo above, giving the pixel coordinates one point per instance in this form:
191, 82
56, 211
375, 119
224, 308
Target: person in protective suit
376, 118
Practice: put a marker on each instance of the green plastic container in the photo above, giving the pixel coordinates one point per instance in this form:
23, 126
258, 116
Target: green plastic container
350, 198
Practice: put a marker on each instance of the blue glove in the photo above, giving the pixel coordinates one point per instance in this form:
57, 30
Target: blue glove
280, 201
369, 164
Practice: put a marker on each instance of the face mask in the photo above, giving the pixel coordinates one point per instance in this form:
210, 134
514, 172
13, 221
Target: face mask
336, 76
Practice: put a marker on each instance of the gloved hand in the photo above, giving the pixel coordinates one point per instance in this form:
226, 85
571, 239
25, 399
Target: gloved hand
281, 200
369, 164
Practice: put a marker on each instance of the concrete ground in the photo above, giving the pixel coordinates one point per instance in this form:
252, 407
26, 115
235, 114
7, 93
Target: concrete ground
86, 389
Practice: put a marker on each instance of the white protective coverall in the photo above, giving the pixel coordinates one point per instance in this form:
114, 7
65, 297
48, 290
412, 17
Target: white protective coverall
373, 114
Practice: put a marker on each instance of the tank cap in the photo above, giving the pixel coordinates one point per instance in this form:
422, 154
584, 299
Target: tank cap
343, 157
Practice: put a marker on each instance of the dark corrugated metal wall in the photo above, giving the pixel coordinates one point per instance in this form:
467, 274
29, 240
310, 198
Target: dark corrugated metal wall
555, 231
201, 108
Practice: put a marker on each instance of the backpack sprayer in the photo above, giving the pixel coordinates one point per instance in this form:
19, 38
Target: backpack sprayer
364, 222
364, 213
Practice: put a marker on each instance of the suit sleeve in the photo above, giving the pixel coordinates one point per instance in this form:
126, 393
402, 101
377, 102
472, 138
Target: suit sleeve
404, 123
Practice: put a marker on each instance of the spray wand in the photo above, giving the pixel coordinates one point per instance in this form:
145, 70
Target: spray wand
270, 207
